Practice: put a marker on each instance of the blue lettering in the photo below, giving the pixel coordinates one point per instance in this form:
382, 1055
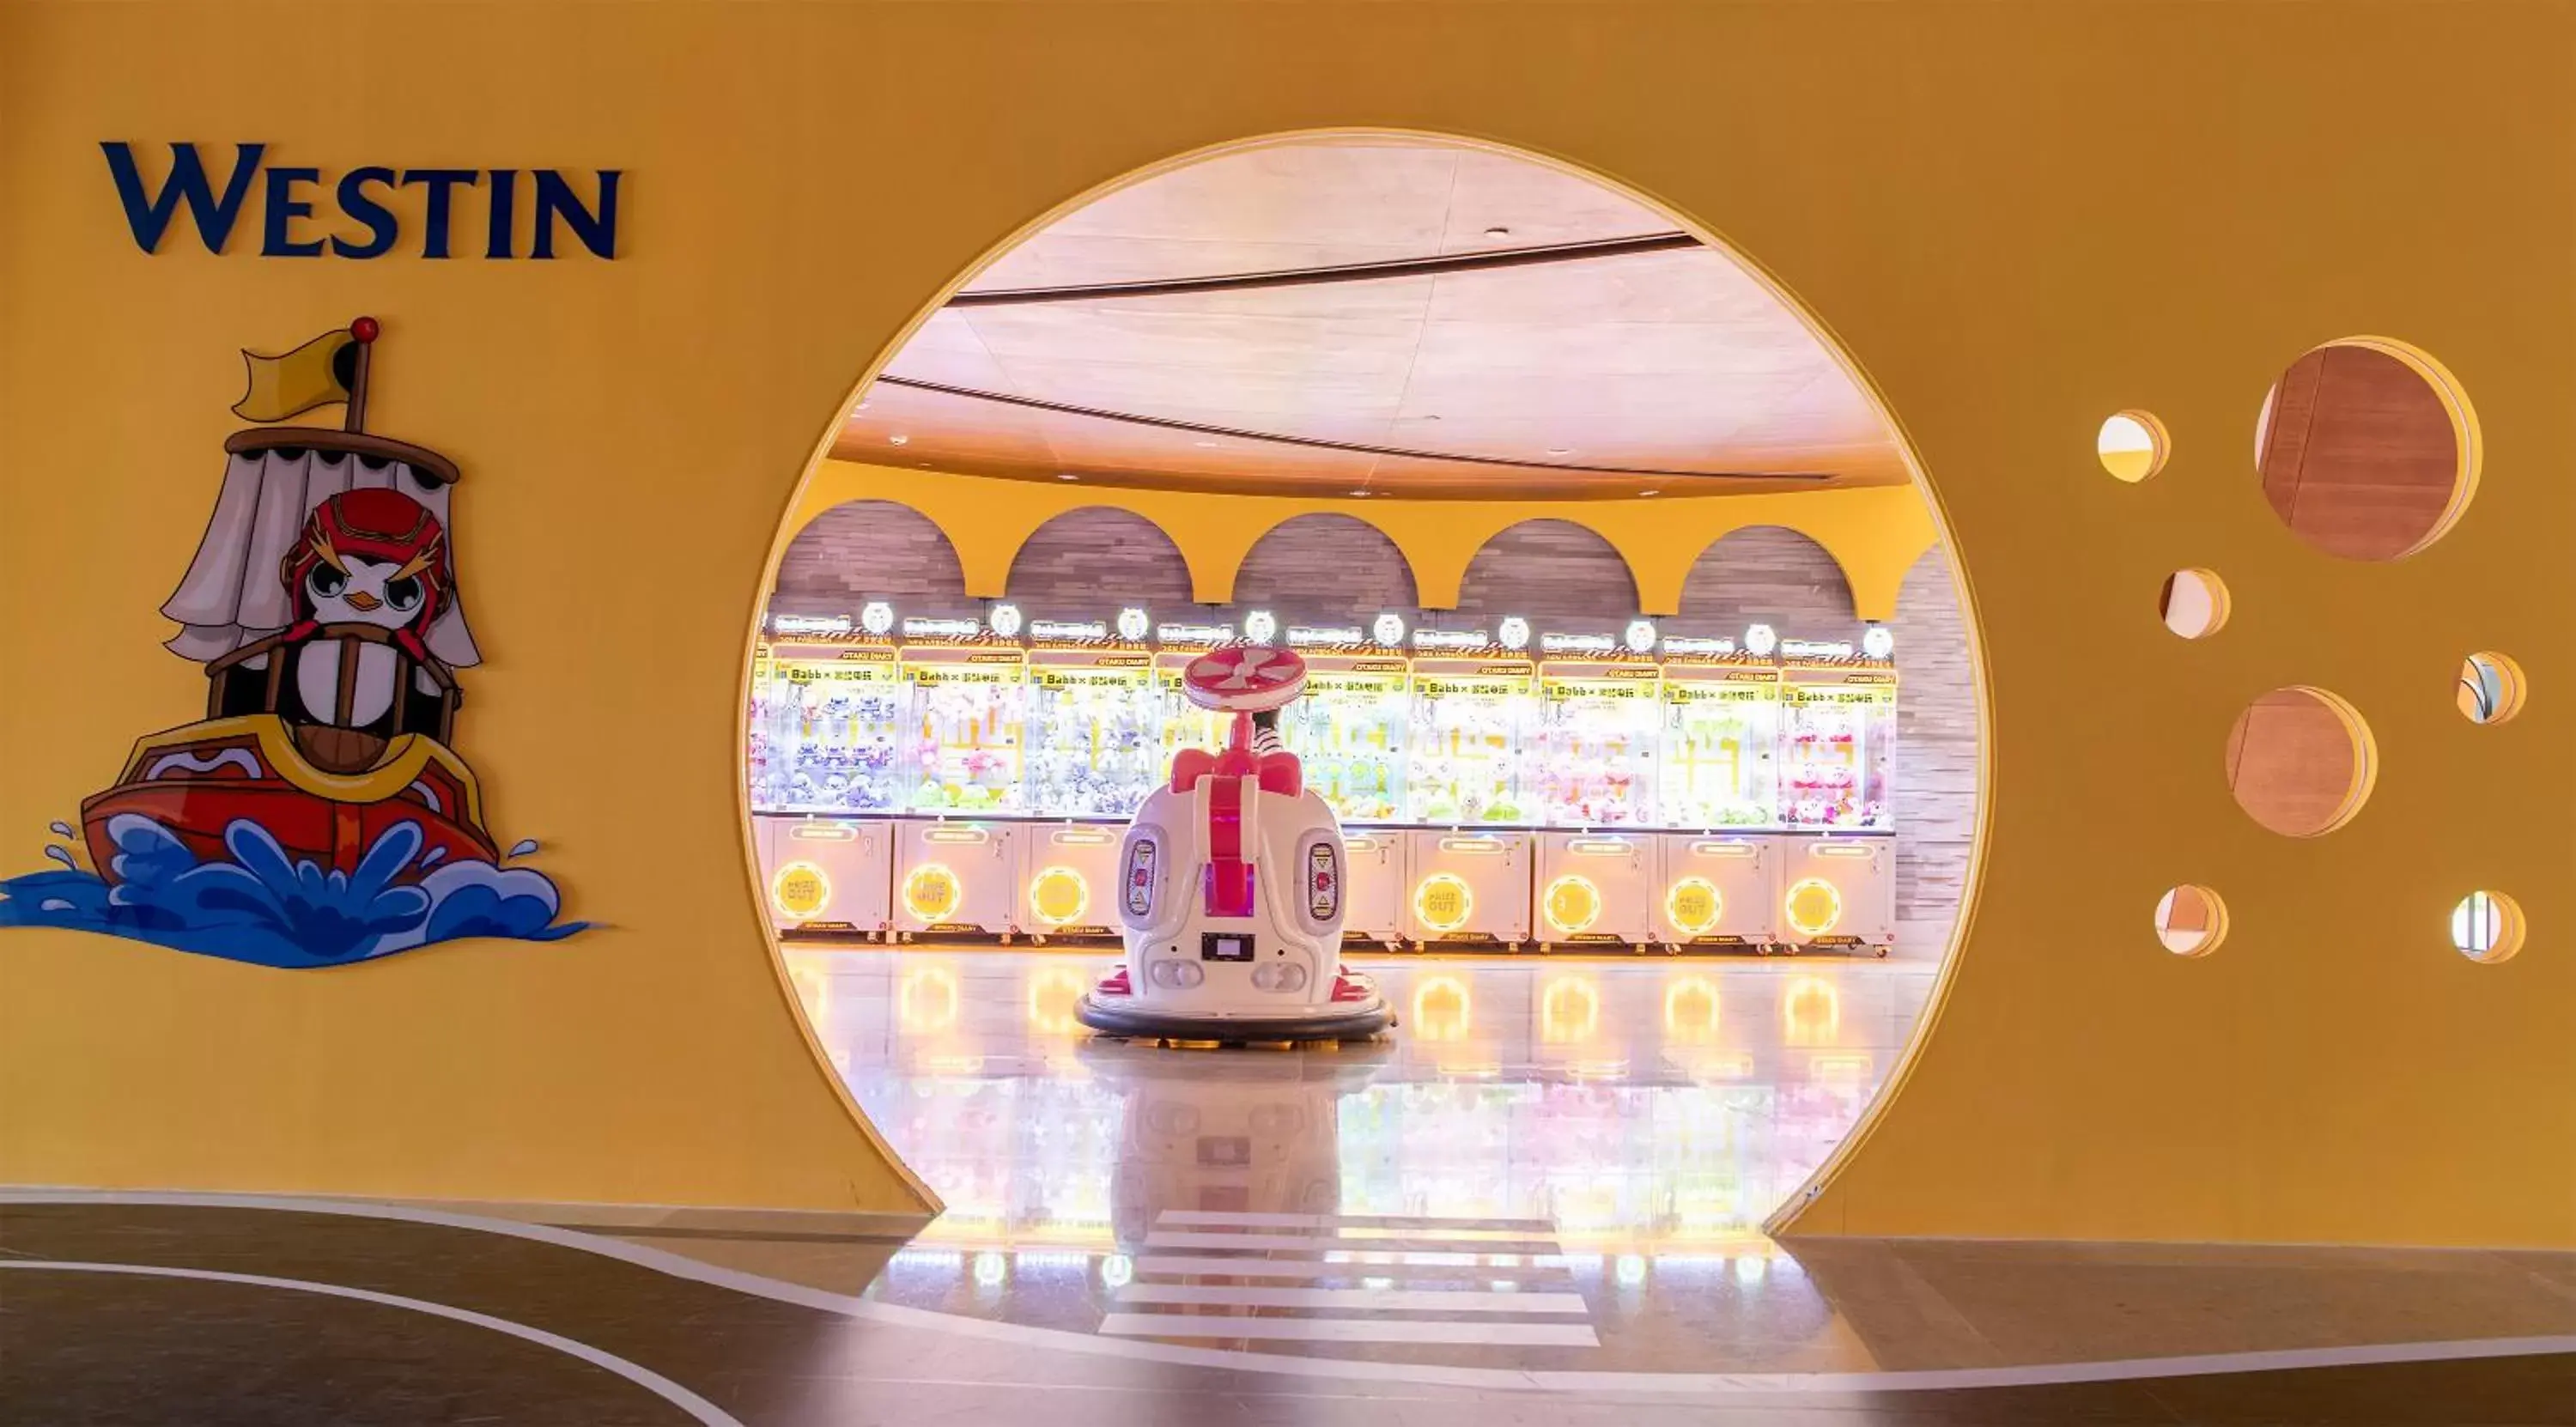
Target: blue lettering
505, 184
441, 181
149, 215
283, 209
555, 199
381, 227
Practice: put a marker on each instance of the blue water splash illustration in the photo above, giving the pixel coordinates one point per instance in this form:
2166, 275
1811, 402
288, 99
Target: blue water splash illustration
262, 905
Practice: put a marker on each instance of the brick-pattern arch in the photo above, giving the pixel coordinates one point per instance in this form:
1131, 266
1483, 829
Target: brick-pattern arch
864, 550
1553, 571
1766, 574
1325, 569
1090, 562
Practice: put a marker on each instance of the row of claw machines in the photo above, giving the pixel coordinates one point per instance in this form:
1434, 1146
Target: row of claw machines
958, 782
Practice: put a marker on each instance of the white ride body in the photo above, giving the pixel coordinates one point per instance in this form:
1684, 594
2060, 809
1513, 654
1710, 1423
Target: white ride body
1293, 934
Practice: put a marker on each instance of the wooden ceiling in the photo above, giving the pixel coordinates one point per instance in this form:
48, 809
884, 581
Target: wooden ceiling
1666, 370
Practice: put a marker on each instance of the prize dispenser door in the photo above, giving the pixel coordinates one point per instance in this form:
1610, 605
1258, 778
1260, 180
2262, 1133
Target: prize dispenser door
957, 879
1375, 886
1469, 887
829, 876
1595, 889
1839, 892
1719, 892
1069, 881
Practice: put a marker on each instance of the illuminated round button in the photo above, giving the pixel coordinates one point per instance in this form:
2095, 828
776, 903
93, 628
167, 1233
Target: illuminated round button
1693, 905
1812, 906
800, 891
1058, 895
933, 893
1443, 901
1573, 904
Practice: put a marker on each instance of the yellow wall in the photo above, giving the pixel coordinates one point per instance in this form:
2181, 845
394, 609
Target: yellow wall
1875, 535
2009, 246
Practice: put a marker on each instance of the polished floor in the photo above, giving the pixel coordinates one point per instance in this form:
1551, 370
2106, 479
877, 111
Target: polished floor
1538, 1202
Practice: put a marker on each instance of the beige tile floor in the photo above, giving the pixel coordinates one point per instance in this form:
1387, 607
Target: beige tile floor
1580, 1153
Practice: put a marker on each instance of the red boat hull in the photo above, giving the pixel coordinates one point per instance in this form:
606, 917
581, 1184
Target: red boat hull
199, 780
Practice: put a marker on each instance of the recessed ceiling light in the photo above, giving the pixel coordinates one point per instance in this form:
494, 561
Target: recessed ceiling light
1552, 450
1641, 495
1361, 494
900, 439
1210, 445
1498, 232
863, 406
1066, 476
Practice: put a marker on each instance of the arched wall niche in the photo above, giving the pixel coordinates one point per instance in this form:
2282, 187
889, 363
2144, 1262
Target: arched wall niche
1325, 569
1093, 561
1549, 570
1766, 574
865, 550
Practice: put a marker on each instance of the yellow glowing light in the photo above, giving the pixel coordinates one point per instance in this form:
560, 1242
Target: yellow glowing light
1058, 895
1812, 906
1569, 1011
800, 891
1573, 904
1811, 1011
1443, 901
1693, 906
1052, 995
933, 893
927, 999
1440, 1009
1690, 1010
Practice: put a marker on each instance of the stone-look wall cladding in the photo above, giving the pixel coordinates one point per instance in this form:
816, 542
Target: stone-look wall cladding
872, 550
1091, 563
1936, 749
1557, 575
1336, 570
1331, 571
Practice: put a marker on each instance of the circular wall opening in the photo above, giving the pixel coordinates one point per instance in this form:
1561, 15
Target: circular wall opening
2132, 445
2491, 687
2367, 449
2487, 927
2300, 761
2190, 920
2193, 603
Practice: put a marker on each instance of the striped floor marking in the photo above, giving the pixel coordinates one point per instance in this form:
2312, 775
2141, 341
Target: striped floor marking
1393, 1279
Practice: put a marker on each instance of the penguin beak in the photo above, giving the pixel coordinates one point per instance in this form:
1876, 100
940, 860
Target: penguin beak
363, 602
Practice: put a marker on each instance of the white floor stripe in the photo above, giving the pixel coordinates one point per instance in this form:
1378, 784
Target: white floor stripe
1391, 1300
643, 1377
1733, 1388
1394, 1249
1230, 1219
1340, 1266
1350, 1330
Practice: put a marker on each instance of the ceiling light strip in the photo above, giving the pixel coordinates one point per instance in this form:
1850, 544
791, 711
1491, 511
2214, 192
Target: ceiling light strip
1484, 261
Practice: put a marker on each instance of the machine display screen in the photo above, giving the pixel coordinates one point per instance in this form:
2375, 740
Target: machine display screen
1225, 946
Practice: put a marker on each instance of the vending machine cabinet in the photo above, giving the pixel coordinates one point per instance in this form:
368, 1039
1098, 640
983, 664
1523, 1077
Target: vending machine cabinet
1468, 886
1069, 881
1838, 893
1596, 889
957, 880
1718, 892
1377, 887
826, 876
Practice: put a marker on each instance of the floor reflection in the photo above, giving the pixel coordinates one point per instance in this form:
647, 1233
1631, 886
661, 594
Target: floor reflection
1620, 1130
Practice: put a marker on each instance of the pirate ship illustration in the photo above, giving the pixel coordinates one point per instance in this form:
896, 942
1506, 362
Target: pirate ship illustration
322, 601
318, 812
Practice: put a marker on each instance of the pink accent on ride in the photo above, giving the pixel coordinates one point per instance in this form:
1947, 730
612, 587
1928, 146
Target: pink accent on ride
1115, 984
1229, 875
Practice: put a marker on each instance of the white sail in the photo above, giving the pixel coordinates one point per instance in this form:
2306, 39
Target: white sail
232, 595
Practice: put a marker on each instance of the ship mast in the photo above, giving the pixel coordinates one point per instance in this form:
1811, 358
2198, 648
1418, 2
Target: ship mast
364, 330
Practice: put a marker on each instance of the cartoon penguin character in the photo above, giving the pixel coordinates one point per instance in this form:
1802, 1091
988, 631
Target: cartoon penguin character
374, 559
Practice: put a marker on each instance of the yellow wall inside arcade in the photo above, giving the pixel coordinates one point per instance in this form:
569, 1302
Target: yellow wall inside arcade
1875, 535
2009, 247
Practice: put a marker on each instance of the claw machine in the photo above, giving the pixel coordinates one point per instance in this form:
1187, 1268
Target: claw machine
1592, 744
956, 863
1184, 724
1717, 793
1837, 742
1348, 732
826, 718
1091, 739
1465, 773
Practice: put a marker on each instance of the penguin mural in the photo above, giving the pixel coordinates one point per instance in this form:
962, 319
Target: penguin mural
319, 812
